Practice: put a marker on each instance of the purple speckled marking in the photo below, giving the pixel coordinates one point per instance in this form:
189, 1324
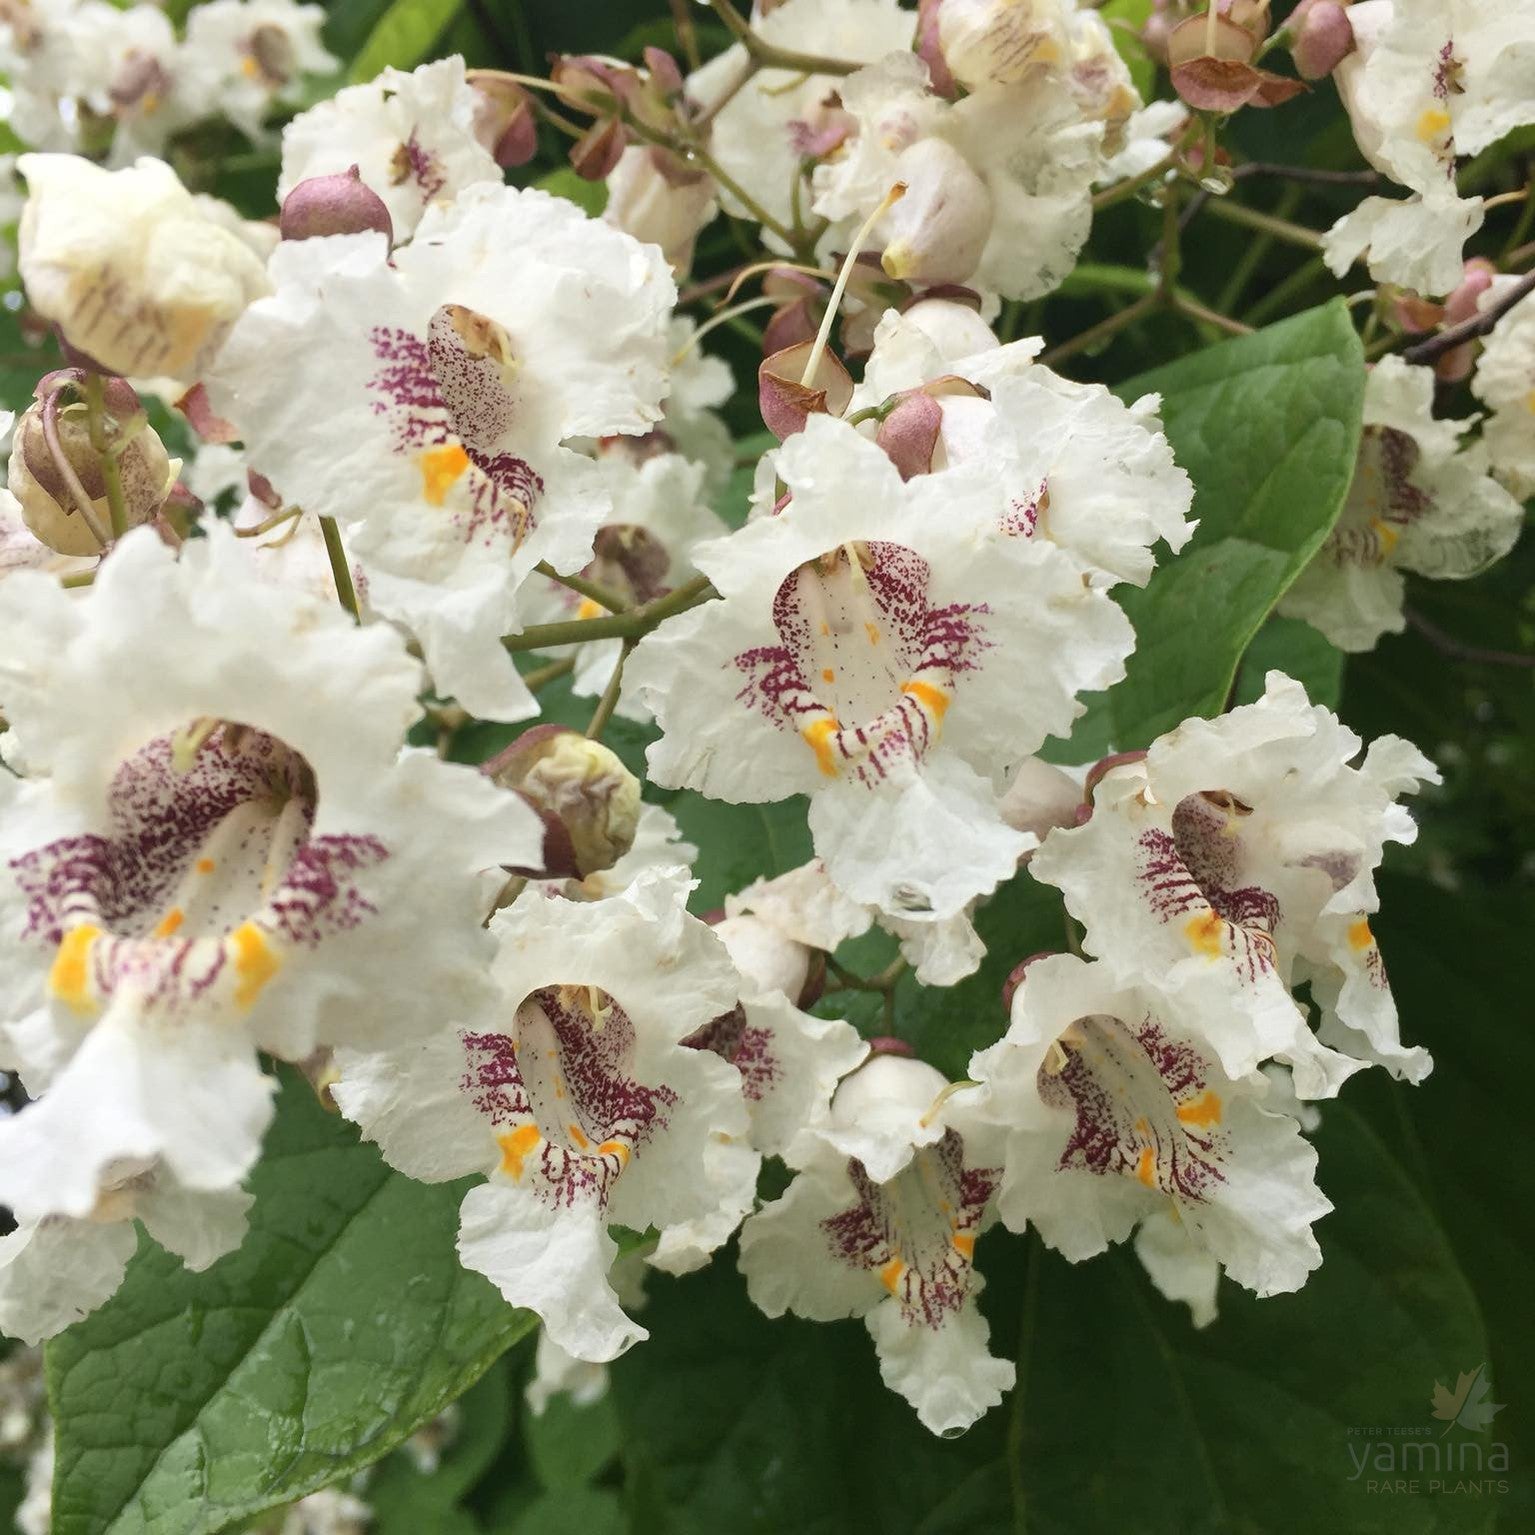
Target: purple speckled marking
1021, 519
422, 166
1198, 867
236, 796
1125, 1086
435, 394
1382, 501
905, 1230
900, 640
748, 1047
574, 1082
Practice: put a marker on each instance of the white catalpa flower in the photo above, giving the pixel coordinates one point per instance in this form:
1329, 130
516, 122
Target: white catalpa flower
698, 385
653, 197
556, 1373
998, 185
411, 137
1112, 1110
1505, 383
424, 400
1238, 857
130, 267
1418, 502
1430, 80
213, 848
1416, 242
881, 1222
1068, 463
806, 911
658, 515
581, 1102
765, 131
1181, 1270
242, 57
865, 654
58, 1269
790, 1061
125, 70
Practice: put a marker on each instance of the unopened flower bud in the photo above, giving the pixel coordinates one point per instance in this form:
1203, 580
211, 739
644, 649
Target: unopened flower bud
888, 1092
937, 231
342, 204
1463, 304
1157, 33
1015, 978
909, 434
1324, 37
42, 484
589, 801
504, 120
765, 957
1040, 797
595, 155
653, 196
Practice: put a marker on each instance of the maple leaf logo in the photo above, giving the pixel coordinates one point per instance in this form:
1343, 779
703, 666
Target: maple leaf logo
1467, 1404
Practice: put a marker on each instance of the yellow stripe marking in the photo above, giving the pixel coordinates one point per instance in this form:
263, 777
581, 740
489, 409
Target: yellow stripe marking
890, 1276
933, 699
1204, 1111
515, 1146
170, 922
818, 734
1204, 934
964, 1244
69, 979
614, 1149
1360, 936
441, 470
254, 961
1146, 1168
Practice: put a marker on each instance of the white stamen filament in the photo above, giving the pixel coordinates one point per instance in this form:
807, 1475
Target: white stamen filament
891, 198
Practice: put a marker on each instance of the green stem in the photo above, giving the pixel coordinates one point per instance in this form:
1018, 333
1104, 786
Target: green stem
1266, 223
1194, 310
633, 625
1252, 256
603, 596
1103, 331
1128, 188
541, 676
339, 569
770, 56
96, 416
609, 700
1281, 294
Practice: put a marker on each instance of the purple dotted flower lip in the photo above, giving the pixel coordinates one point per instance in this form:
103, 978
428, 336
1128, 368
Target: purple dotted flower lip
1142, 1104
865, 667
1192, 875
560, 1094
917, 1233
209, 873
448, 407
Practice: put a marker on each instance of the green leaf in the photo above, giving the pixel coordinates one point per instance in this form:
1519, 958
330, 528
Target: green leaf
1448, 954
569, 1445
568, 1511
407, 1500
591, 196
1259, 1422
739, 843
1125, 19
403, 36
1125, 1417
1267, 427
1291, 646
345, 1320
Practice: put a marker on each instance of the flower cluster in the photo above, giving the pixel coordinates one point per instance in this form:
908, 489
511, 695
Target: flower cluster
484, 421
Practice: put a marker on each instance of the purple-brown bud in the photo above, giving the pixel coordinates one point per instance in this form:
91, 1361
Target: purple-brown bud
342, 204
587, 799
1323, 35
504, 120
786, 402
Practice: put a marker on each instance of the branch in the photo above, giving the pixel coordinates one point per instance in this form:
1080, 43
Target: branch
1469, 330
632, 625
1447, 644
